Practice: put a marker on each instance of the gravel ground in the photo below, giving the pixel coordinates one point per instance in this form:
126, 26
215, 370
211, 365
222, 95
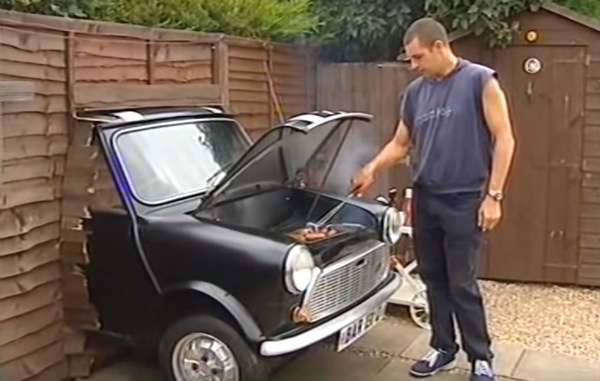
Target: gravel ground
562, 320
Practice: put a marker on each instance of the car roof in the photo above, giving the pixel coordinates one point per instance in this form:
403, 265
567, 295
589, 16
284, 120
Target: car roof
116, 117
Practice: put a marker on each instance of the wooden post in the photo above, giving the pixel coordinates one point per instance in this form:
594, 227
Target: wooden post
12, 91
222, 72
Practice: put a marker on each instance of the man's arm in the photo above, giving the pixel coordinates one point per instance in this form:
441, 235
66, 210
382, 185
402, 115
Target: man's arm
392, 153
497, 117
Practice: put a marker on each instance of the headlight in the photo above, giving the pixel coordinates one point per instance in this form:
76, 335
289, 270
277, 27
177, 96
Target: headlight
392, 223
299, 268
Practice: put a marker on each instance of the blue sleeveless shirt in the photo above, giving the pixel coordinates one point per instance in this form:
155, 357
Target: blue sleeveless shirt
451, 142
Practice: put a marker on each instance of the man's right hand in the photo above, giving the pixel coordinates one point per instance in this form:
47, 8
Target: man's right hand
363, 181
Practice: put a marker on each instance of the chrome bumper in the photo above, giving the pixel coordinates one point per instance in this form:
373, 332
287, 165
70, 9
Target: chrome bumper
322, 331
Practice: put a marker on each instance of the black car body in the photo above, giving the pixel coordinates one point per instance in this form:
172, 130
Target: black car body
212, 242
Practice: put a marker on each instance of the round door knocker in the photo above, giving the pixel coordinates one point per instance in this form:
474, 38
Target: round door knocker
532, 65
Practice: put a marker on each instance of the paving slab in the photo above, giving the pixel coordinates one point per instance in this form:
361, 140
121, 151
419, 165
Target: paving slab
323, 364
127, 370
389, 338
543, 366
397, 370
506, 355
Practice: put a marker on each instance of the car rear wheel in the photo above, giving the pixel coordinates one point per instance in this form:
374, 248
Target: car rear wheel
204, 348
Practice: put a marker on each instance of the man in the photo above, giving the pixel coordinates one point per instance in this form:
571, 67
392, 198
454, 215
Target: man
456, 118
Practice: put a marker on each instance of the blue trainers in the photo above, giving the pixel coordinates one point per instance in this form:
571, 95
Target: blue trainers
434, 362
482, 371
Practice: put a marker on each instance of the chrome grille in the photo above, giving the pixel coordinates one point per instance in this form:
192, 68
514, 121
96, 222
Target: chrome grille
344, 282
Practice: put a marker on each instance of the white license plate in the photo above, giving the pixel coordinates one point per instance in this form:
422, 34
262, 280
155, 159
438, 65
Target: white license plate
359, 327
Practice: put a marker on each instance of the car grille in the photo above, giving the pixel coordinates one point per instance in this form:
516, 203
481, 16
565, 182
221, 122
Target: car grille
347, 280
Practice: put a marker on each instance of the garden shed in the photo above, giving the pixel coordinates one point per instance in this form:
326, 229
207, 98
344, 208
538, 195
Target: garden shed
551, 74
51, 70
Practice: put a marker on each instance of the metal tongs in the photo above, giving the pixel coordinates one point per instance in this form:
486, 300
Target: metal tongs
315, 226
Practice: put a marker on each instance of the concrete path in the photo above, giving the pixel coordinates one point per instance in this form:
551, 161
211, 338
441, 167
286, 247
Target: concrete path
385, 354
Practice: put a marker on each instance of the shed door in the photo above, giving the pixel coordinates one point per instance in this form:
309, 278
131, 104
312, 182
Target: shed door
538, 237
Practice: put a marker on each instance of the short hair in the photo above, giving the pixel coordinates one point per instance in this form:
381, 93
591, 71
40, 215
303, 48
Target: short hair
427, 30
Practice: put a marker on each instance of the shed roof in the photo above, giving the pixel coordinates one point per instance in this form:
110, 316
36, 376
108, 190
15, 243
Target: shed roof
567, 13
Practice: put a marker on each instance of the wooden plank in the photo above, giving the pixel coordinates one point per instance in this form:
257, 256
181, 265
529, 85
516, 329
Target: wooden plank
222, 72
250, 108
592, 86
592, 118
33, 71
37, 86
91, 95
256, 77
28, 344
24, 219
590, 241
29, 240
74, 341
591, 165
43, 104
590, 225
74, 253
592, 102
183, 74
26, 282
14, 329
115, 73
591, 134
30, 40
246, 66
591, 180
35, 363
31, 123
82, 319
182, 52
84, 60
590, 256
47, 58
29, 260
16, 91
254, 121
591, 195
26, 192
30, 301
593, 70
248, 96
591, 149
30, 146
589, 275
590, 210
248, 86
60, 371
111, 47
255, 54
25, 169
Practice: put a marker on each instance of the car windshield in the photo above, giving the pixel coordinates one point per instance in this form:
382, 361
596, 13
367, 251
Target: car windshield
164, 163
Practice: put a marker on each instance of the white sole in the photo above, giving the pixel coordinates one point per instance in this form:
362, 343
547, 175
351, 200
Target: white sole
449, 366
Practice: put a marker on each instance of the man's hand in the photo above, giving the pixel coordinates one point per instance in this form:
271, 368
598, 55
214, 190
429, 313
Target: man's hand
363, 181
489, 214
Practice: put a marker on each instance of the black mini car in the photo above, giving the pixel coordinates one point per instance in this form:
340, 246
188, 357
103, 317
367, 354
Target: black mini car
229, 253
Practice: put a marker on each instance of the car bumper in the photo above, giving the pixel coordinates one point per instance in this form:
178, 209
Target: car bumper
291, 344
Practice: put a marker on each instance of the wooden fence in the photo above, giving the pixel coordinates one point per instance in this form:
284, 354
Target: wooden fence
51, 175
374, 88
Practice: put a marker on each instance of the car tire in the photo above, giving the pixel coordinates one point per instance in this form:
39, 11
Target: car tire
206, 328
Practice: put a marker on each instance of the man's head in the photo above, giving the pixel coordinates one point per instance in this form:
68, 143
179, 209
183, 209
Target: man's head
427, 47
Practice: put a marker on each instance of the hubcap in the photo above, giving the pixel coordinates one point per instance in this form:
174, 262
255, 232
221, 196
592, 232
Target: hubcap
202, 357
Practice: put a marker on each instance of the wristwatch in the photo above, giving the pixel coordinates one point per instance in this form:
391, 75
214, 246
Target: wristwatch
496, 195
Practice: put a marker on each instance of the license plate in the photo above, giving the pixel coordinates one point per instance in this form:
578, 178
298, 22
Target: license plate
359, 327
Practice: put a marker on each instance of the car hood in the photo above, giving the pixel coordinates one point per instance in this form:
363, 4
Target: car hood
318, 151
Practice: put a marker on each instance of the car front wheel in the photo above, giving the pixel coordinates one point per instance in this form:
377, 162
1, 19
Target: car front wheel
204, 348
